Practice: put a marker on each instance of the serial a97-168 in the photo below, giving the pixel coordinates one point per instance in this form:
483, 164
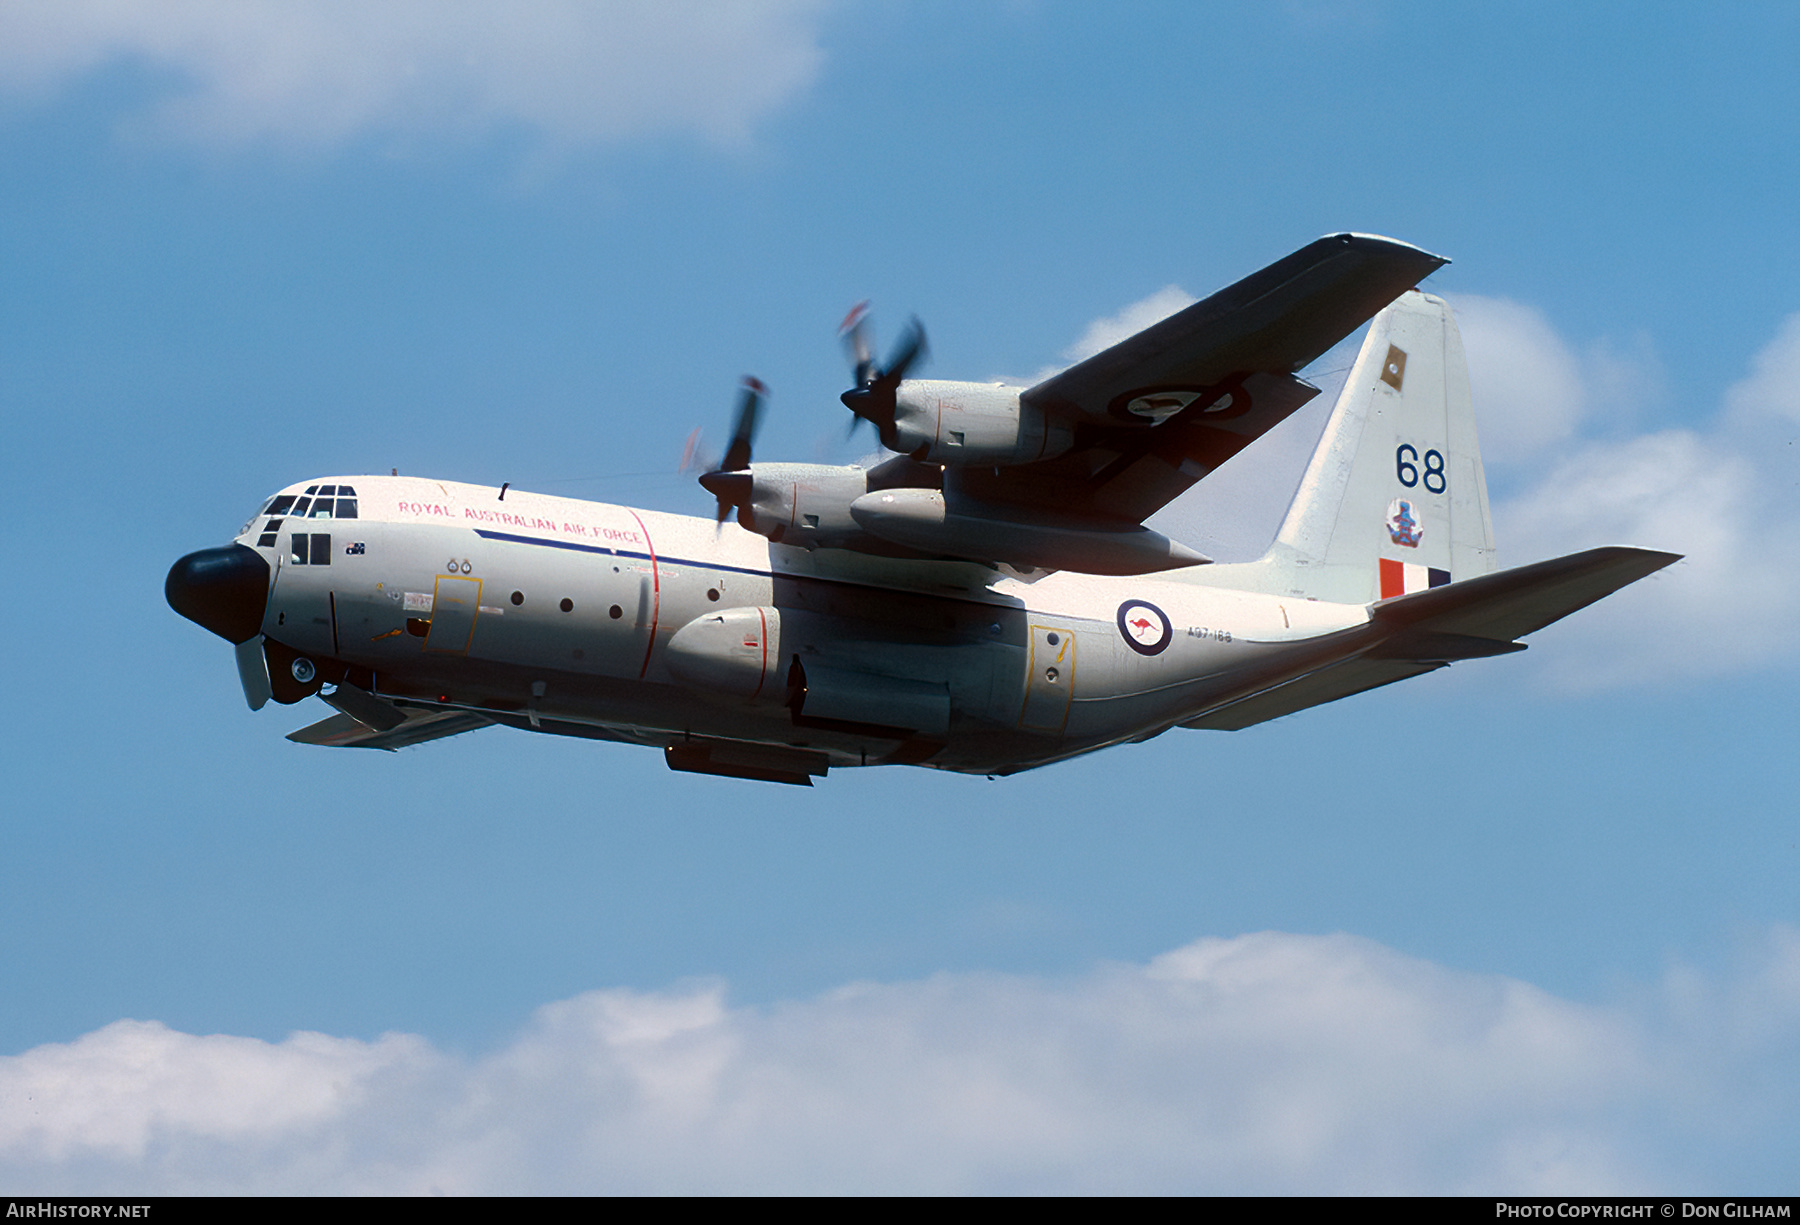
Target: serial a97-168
987, 600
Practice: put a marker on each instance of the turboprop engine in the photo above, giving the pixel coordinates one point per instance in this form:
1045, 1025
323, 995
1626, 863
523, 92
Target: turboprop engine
941, 421
808, 505
972, 425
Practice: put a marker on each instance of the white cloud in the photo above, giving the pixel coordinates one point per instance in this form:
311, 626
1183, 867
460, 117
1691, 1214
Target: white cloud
317, 74
1265, 1063
1109, 330
1527, 385
1533, 390
1722, 495
1773, 386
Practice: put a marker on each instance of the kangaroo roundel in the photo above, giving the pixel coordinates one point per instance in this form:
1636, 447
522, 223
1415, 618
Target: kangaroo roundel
1145, 627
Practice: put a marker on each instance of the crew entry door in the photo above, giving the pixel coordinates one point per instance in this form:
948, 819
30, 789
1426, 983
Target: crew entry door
454, 606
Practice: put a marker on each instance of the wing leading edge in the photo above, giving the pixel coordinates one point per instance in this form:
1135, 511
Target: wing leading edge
1160, 410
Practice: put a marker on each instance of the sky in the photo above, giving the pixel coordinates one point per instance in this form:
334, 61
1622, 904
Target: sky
1528, 925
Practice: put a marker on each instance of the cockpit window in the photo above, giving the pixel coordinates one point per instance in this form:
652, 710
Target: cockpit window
319, 502
310, 550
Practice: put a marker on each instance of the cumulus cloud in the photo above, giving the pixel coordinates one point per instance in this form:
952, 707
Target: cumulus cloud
1109, 330
1264, 1063
1722, 494
1527, 384
315, 75
1772, 388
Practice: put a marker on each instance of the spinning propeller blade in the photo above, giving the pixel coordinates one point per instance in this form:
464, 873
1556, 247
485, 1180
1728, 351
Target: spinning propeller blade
730, 482
874, 397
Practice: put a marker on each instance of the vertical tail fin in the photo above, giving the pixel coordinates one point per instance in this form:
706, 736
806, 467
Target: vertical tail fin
1394, 499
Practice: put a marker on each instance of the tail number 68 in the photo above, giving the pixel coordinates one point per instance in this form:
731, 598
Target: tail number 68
1406, 467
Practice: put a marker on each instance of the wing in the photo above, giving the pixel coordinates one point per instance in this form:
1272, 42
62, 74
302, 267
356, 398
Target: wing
342, 731
1314, 689
1158, 411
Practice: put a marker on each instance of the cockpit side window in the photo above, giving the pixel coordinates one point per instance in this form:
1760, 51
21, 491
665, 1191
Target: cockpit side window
310, 549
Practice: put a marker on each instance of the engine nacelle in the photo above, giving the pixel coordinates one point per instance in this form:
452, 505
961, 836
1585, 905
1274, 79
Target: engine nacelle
973, 424
808, 505
803, 504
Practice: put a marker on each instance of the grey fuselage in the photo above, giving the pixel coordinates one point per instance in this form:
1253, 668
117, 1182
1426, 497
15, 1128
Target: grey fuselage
564, 616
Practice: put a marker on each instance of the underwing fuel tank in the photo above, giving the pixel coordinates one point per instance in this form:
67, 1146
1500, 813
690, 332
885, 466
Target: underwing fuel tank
921, 519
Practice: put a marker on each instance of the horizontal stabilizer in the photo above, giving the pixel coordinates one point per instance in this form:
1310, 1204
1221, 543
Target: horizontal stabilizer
1314, 689
1414, 634
1509, 604
1428, 646
343, 732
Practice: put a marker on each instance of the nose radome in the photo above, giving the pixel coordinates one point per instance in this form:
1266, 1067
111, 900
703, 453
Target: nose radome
226, 590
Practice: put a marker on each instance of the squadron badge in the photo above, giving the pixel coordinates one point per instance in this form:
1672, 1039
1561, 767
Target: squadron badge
1403, 524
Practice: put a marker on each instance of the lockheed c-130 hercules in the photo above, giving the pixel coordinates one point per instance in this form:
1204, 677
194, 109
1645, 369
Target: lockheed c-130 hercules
986, 601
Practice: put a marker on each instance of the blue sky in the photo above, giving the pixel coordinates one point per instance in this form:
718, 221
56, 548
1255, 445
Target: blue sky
1528, 925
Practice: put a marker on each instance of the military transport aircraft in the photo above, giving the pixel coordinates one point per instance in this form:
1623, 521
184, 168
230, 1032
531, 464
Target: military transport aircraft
987, 600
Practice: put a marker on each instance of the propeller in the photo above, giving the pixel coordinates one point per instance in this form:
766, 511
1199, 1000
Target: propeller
731, 482
873, 399
253, 672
